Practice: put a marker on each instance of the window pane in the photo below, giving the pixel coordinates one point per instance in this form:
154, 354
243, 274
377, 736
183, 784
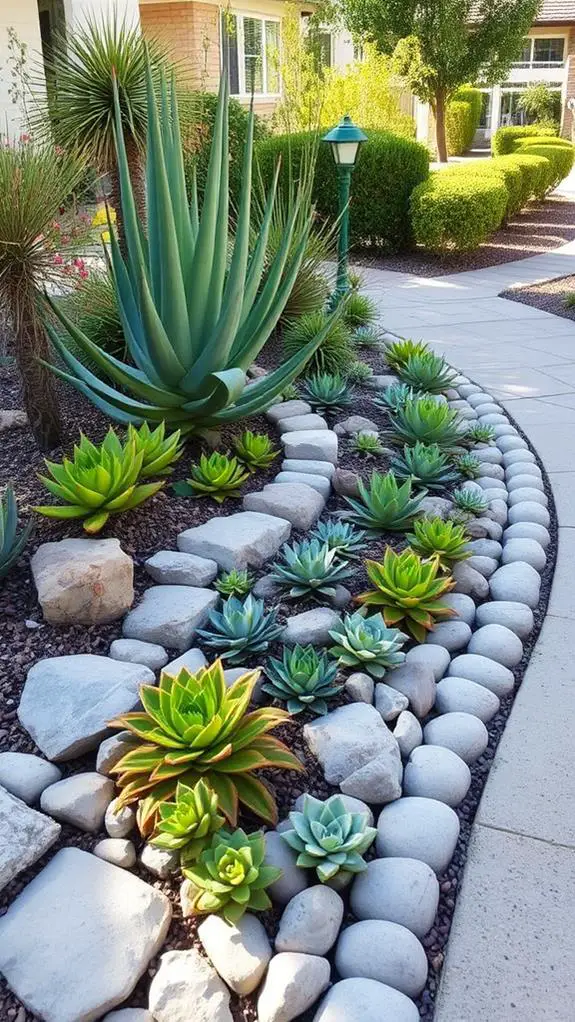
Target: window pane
525, 56
253, 55
548, 51
272, 56
324, 49
230, 50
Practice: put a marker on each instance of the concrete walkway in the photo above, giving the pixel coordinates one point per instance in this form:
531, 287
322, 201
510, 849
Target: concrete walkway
511, 952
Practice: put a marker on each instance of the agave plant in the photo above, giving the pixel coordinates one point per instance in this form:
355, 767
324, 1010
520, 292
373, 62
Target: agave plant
432, 537
193, 326
218, 476
358, 372
395, 396
160, 451
383, 506
12, 542
367, 337
409, 591
368, 444
335, 351
478, 433
427, 372
97, 482
328, 838
425, 464
236, 582
344, 538
327, 392
240, 628
310, 568
471, 502
187, 824
255, 450
230, 877
398, 352
468, 465
359, 310
427, 420
367, 643
303, 679
192, 726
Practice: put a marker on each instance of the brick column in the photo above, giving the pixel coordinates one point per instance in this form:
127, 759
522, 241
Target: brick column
191, 31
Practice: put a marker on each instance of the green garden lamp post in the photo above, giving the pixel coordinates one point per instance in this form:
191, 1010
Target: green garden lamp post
345, 141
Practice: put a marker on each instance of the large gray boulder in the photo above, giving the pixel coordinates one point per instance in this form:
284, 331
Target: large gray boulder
436, 772
384, 951
365, 1000
186, 986
170, 615
299, 503
416, 680
292, 985
246, 539
347, 739
418, 828
25, 776
175, 568
83, 581
311, 920
81, 800
239, 953
401, 890
315, 444
25, 835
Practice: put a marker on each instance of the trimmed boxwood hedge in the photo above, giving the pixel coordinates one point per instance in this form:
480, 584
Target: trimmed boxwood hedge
457, 210
507, 172
560, 159
505, 139
389, 167
533, 176
462, 119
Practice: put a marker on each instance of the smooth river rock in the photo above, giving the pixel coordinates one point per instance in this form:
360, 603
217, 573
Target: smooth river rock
384, 951
401, 890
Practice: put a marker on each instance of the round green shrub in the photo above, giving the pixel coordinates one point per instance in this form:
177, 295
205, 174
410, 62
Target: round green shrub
509, 174
536, 140
560, 159
505, 139
462, 119
535, 171
457, 211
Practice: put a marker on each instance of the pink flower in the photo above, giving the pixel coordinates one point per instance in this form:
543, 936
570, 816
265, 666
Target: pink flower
58, 259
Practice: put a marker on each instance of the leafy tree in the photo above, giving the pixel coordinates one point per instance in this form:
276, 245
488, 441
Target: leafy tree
538, 102
439, 45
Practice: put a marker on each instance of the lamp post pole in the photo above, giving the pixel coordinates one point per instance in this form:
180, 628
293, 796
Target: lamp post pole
345, 140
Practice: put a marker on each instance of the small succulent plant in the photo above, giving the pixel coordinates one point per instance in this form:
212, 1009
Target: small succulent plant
426, 464
478, 433
470, 501
427, 420
383, 505
398, 352
290, 393
395, 396
237, 582
159, 451
367, 643
327, 391
359, 310
310, 568
367, 337
241, 628
359, 372
468, 465
12, 542
328, 838
347, 541
187, 824
367, 444
427, 372
303, 679
432, 537
218, 477
230, 877
255, 450
408, 590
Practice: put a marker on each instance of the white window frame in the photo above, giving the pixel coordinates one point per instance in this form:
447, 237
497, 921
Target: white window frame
244, 93
532, 64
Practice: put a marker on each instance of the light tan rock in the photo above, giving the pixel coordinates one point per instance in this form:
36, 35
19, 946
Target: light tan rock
83, 581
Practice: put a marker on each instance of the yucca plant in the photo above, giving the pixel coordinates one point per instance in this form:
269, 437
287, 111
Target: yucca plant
358, 372
303, 679
241, 628
333, 354
191, 727
425, 464
187, 824
395, 396
236, 582
12, 541
408, 590
432, 537
367, 643
427, 372
160, 451
327, 392
427, 420
98, 482
310, 568
468, 465
398, 352
383, 505
230, 877
478, 433
255, 450
471, 502
347, 541
193, 326
217, 476
328, 838
367, 337
367, 444
359, 310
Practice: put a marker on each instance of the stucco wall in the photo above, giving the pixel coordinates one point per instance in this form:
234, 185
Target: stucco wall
22, 16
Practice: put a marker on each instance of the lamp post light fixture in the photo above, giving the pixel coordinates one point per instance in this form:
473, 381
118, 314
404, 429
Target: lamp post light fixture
345, 140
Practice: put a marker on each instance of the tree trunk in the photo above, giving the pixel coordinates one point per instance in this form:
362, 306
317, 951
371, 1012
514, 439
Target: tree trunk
38, 383
440, 137
136, 171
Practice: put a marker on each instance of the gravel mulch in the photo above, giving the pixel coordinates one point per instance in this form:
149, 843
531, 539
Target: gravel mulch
550, 296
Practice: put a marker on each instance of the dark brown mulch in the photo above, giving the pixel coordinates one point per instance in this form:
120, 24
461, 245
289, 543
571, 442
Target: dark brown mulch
540, 227
550, 296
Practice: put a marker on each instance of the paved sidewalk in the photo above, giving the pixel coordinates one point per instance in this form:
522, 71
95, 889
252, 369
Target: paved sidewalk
511, 953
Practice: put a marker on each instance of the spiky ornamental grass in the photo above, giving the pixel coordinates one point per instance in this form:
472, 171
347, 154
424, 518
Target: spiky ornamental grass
478, 433
427, 372
217, 476
367, 643
427, 465
303, 679
432, 537
408, 590
241, 628
12, 541
231, 877
333, 354
383, 505
236, 582
359, 310
359, 372
429, 421
187, 824
255, 450
328, 838
468, 465
470, 501
327, 392
347, 541
310, 568
367, 444
395, 396
398, 352
160, 451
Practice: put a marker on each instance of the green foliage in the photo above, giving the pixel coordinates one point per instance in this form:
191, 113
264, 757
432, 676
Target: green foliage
310, 568
457, 211
347, 541
432, 537
12, 541
159, 451
427, 372
193, 726
255, 450
399, 352
290, 393
329, 839
427, 420
236, 582
188, 824
241, 628
367, 337
479, 433
358, 372
408, 590
367, 444
517, 181
303, 679
536, 172
560, 158
369, 92
383, 506
505, 140
335, 351
367, 643
395, 396
538, 101
462, 119
93, 308
230, 877
387, 171
569, 300
99, 481
359, 311
327, 392
217, 476
471, 502
425, 464
468, 465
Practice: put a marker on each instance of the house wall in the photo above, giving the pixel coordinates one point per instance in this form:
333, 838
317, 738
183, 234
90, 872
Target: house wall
22, 16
